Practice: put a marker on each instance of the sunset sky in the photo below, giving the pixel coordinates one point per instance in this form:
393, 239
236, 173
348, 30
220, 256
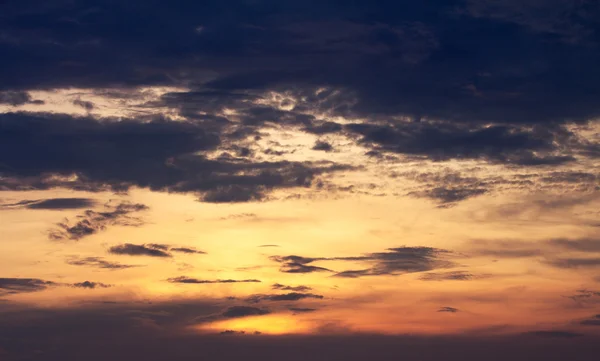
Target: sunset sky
299, 180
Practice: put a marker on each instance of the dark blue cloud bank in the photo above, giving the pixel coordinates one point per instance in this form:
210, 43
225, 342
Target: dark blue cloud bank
489, 80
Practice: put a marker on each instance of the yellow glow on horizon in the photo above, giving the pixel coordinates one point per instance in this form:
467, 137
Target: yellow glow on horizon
268, 324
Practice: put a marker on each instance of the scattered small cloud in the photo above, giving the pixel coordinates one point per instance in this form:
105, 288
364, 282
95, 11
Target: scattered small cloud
98, 262
300, 288
448, 309
184, 279
293, 296
139, 250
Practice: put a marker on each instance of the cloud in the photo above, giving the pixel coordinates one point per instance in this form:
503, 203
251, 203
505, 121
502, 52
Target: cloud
401, 260
574, 262
449, 196
92, 222
91, 285
187, 250
292, 296
584, 295
89, 106
184, 279
243, 311
301, 288
594, 321
393, 262
10, 286
138, 250
323, 146
297, 264
448, 309
98, 262
23, 285
53, 203
302, 309
591, 245
16, 98
449, 276
159, 154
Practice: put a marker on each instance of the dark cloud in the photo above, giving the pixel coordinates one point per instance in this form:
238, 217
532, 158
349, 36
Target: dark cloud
594, 321
292, 296
401, 260
23, 285
574, 262
91, 222
91, 285
591, 245
159, 154
323, 146
138, 250
396, 261
302, 309
440, 141
16, 98
98, 262
54, 203
498, 94
448, 309
301, 288
243, 311
296, 264
449, 276
268, 245
184, 279
187, 250
584, 295
89, 106
449, 196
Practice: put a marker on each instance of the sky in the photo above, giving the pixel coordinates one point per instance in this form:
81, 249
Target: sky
299, 180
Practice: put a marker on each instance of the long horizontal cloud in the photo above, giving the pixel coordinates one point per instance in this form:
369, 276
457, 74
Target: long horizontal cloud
292, 296
150, 249
26, 285
157, 154
98, 262
398, 58
53, 203
189, 280
395, 261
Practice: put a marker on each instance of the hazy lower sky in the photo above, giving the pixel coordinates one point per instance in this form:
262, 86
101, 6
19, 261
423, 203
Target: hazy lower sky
299, 180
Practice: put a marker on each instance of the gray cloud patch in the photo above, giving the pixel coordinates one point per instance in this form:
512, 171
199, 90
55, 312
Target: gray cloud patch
53, 203
449, 276
90, 285
10, 286
138, 250
23, 285
98, 262
184, 279
16, 98
292, 296
301, 288
396, 261
91, 222
448, 309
